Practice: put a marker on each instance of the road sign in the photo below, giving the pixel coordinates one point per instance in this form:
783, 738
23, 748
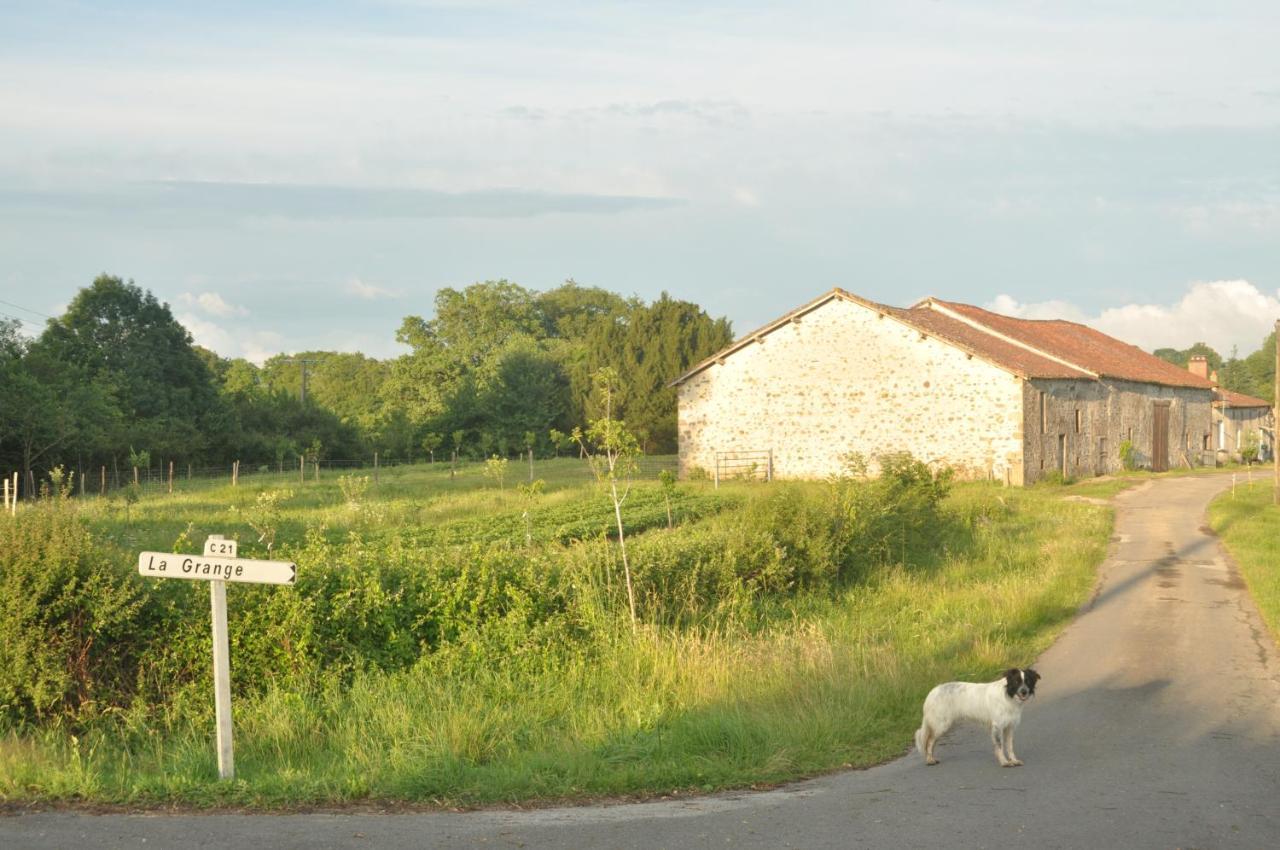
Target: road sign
217, 545
210, 568
218, 565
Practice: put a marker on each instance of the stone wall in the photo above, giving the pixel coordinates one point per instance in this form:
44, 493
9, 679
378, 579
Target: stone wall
843, 379
1081, 425
1237, 423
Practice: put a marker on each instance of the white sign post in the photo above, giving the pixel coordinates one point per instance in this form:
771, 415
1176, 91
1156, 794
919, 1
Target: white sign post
218, 566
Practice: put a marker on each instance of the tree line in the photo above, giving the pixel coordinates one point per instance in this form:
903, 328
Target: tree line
1253, 375
498, 369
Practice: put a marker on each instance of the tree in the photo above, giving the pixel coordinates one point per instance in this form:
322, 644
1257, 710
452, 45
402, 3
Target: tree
1183, 357
430, 442
120, 336
47, 405
648, 348
612, 451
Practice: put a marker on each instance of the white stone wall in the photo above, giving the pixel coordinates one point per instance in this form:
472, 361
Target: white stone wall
844, 379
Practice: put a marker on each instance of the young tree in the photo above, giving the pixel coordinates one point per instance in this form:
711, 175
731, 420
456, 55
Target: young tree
430, 442
612, 451
496, 468
530, 440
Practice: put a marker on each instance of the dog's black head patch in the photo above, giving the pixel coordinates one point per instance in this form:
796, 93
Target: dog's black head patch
1020, 684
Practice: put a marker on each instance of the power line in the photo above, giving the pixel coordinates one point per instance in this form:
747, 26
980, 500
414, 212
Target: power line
20, 320
24, 309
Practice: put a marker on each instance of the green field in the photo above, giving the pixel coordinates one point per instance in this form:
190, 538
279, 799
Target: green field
452, 643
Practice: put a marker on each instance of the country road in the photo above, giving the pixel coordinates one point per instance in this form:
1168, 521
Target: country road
1157, 725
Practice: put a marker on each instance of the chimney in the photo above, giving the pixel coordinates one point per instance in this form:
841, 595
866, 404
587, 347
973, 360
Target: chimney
1199, 366
1213, 377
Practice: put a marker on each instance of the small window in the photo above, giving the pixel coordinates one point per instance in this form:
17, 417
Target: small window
1044, 415
1206, 442
1079, 420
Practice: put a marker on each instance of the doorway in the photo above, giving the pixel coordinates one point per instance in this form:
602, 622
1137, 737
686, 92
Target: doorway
1160, 436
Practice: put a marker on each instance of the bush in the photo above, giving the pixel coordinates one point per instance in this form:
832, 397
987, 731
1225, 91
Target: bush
67, 639
81, 632
1128, 455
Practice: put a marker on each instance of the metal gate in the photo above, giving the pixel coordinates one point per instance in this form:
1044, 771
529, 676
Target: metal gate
754, 465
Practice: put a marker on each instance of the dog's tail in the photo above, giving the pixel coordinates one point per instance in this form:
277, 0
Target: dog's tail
920, 734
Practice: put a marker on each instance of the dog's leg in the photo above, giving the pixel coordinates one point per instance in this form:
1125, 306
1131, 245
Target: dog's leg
997, 743
930, 738
1013, 760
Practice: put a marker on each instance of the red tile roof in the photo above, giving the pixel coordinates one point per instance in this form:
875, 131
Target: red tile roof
1079, 345
1027, 348
1014, 358
1230, 398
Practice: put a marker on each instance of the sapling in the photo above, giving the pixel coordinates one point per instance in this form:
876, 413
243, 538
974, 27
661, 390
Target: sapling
496, 468
612, 451
668, 480
529, 494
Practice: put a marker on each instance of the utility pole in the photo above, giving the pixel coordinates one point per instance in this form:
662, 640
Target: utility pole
303, 364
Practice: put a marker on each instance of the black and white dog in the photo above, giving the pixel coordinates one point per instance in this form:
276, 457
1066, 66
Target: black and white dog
997, 705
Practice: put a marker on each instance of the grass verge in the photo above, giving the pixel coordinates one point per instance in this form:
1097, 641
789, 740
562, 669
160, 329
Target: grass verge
1249, 524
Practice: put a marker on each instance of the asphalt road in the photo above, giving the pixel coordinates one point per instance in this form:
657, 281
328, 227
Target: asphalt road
1156, 725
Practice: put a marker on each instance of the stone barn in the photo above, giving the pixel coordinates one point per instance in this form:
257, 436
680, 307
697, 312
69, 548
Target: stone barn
990, 396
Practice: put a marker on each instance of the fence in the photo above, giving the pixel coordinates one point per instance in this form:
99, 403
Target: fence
755, 464
170, 477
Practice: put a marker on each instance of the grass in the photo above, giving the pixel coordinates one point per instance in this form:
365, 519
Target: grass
812, 683
1249, 524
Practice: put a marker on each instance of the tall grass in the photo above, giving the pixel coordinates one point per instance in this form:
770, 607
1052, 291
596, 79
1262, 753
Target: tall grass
764, 675
1248, 522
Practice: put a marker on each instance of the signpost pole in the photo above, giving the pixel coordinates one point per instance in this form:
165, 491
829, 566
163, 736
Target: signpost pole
222, 679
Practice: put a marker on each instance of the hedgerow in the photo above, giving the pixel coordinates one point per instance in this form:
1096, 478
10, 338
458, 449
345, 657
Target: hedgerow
81, 634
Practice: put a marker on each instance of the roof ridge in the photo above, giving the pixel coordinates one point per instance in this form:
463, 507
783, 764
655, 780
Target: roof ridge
945, 308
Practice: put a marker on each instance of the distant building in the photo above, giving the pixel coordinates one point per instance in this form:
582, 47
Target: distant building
989, 395
1238, 419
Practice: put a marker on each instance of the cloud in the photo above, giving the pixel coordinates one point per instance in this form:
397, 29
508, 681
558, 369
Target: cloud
1225, 314
368, 291
306, 202
213, 304
254, 346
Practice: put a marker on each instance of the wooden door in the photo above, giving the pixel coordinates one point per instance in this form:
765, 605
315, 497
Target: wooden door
1160, 437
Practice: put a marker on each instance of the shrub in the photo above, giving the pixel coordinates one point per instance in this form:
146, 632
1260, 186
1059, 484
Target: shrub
1128, 455
67, 642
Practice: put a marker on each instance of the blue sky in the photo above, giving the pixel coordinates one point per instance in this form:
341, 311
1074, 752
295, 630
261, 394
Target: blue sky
303, 175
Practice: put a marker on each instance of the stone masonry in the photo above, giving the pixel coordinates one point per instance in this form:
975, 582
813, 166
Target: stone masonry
845, 378
991, 397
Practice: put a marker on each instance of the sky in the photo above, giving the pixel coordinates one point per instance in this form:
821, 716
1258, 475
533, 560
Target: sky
303, 175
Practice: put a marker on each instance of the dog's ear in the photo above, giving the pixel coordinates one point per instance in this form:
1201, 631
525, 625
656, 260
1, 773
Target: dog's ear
1031, 676
1011, 673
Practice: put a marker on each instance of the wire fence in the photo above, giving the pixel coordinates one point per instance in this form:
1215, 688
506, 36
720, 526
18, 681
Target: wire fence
102, 480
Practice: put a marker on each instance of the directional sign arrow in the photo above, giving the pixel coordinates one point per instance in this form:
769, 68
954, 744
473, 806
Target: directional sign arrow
209, 568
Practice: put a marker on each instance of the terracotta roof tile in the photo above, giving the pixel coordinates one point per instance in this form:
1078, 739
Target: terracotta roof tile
1230, 398
1082, 346
1014, 358
1027, 348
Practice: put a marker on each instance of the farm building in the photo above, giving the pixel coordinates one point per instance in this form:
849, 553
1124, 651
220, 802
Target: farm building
989, 395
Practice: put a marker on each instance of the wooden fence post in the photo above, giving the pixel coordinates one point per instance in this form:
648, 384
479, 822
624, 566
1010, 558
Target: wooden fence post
103, 487
170, 478
302, 469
